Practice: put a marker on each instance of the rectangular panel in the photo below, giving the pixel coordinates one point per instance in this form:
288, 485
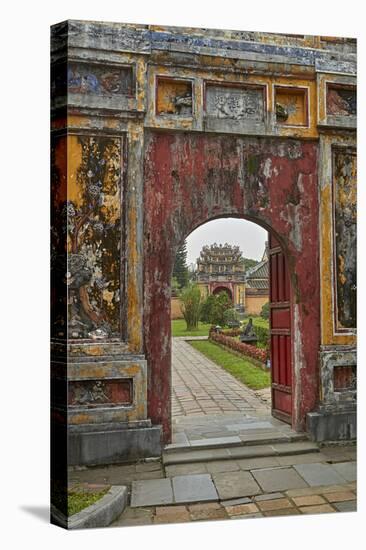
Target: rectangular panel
94, 393
291, 106
341, 100
345, 235
91, 219
281, 289
282, 401
275, 358
288, 362
280, 318
235, 103
174, 97
282, 360
274, 278
344, 377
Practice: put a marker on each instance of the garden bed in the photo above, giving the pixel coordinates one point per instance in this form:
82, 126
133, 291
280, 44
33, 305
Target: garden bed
245, 350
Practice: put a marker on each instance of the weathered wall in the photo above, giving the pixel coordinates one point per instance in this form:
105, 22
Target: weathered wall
223, 123
190, 179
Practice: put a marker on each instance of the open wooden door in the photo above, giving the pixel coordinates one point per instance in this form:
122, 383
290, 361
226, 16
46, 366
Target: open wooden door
280, 323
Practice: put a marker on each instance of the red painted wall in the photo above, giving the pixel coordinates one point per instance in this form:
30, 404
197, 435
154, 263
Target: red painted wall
193, 178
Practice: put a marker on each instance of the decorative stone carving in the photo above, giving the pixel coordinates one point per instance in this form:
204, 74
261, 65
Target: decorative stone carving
87, 224
174, 97
99, 392
344, 192
85, 78
291, 106
234, 103
341, 101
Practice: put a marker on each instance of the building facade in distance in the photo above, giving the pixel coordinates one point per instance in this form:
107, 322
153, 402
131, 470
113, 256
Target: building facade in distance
221, 268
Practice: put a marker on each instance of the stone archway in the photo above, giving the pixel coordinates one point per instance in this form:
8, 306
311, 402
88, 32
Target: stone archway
193, 178
218, 288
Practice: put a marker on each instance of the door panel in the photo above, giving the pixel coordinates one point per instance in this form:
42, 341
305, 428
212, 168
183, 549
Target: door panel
280, 319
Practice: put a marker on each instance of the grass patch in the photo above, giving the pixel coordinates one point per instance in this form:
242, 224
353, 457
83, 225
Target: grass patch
242, 369
179, 328
78, 500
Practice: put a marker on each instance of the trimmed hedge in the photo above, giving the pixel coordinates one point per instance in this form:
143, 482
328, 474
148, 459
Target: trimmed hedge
244, 349
261, 332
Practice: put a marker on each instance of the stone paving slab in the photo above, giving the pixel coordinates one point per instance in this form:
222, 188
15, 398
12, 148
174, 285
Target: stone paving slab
185, 469
151, 492
348, 470
308, 458
278, 479
194, 488
230, 485
320, 509
217, 441
348, 506
319, 474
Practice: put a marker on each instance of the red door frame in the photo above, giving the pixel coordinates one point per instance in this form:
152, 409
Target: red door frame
192, 178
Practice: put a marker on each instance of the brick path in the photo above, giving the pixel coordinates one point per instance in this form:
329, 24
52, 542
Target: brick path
202, 387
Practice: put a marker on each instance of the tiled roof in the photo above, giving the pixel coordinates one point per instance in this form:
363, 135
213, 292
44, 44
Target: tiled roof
259, 271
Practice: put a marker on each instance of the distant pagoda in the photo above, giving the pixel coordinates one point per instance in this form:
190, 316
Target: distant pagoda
221, 268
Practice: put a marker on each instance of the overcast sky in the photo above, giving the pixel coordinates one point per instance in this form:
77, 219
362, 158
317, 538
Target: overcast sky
249, 236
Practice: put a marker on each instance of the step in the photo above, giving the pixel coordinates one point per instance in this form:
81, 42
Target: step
232, 441
239, 451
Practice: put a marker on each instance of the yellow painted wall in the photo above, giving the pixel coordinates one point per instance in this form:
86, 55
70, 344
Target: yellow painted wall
329, 335
254, 304
175, 310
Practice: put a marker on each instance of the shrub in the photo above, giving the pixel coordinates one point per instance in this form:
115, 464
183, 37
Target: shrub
265, 311
207, 308
213, 309
263, 335
230, 315
191, 302
244, 349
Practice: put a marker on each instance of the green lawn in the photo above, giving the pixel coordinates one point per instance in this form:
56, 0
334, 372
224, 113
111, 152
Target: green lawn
179, 327
242, 369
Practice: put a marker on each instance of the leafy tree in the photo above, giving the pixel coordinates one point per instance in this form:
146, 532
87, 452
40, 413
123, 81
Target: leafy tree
207, 308
249, 263
175, 287
180, 270
191, 302
265, 311
213, 309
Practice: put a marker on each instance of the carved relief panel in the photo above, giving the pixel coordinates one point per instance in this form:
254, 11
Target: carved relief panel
341, 101
173, 97
235, 103
345, 234
87, 227
94, 393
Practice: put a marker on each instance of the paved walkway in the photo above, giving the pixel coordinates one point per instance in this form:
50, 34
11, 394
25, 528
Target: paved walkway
202, 387
209, 403
310, 483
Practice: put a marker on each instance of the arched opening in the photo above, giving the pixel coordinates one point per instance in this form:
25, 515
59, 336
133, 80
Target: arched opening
217, 289
205, 392
193, 178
